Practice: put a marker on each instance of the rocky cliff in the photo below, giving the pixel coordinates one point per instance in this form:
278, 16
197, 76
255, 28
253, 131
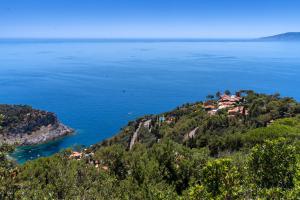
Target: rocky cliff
23, 125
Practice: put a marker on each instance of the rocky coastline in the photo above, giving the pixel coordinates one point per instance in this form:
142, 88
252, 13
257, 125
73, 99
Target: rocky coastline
22, 125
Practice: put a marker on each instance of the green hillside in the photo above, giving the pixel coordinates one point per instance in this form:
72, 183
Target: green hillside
242, 146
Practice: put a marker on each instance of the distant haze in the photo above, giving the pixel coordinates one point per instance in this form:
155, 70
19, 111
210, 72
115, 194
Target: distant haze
147, 18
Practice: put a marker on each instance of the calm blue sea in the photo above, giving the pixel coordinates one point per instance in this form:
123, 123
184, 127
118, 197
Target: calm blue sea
96, 87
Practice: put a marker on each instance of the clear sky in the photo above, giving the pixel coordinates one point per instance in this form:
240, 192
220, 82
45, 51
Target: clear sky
148, 18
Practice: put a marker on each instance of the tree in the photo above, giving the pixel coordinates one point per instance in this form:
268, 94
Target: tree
210, 97
221, 180
218, 94
227, 92
1, 120
8, 172
113, 157
273, 164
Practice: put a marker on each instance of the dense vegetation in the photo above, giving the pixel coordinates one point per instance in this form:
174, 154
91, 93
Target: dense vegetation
254, 156
22, 119
23, 125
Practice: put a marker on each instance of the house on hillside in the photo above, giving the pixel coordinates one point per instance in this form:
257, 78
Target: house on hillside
171, 119
237, 110
76, 155
161, 119
212, 112
227, 101
209, 107
230, 102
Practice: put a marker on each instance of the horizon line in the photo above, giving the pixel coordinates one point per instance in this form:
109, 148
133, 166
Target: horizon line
138, 38
124, 39
196, 38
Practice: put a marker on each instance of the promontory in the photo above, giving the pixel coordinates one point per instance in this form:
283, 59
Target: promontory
23, 125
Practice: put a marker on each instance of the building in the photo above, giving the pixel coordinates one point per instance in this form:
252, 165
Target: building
209, 107
237, 110
212, 112
76, 155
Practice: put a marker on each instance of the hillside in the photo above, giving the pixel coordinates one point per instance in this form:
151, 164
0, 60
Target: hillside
22, 125
200, 124
240, 146
290, 36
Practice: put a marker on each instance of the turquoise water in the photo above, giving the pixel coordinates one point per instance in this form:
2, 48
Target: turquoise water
96, 87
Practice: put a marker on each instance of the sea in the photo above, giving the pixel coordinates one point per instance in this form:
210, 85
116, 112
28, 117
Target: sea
98, 86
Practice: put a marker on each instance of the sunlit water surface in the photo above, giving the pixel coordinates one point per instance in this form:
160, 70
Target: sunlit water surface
96, 87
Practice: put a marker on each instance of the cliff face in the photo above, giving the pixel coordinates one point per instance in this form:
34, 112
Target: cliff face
23, 125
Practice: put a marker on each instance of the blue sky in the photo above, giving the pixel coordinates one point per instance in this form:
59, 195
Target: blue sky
147, 18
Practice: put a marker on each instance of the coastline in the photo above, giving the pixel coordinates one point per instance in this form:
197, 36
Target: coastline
22, 154
43, 135
21, 125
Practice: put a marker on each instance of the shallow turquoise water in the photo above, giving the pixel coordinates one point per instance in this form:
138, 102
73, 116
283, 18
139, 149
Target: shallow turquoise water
96, 87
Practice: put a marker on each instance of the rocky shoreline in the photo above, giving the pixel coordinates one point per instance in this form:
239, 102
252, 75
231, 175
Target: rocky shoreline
43, 135
22, 125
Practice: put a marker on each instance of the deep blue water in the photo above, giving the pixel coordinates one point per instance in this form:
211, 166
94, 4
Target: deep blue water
96, 87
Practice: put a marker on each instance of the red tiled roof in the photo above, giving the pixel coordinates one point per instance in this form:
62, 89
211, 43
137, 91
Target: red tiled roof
232, 98
75, 154
226, 103
225, 97
209, 107
236, 110
207, 103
